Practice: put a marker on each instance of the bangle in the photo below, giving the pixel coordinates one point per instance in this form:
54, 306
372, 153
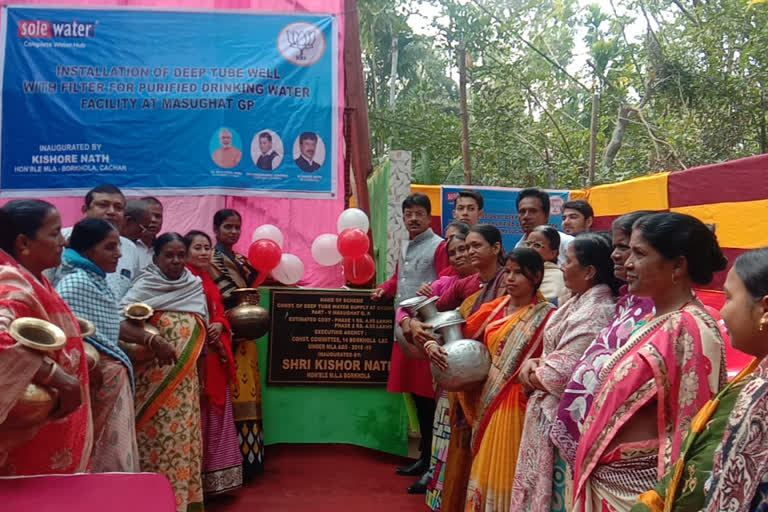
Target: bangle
150, 340
49, 377
429, 344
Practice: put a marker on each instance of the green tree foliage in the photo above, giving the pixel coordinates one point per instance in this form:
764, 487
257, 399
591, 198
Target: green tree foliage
680, 84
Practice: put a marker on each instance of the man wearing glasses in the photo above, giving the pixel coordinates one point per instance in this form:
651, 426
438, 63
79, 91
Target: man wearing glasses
108, 202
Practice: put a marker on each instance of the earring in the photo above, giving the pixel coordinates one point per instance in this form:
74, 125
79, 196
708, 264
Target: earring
25, 252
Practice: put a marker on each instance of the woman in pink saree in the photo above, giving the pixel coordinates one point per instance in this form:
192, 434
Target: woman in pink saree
651, 387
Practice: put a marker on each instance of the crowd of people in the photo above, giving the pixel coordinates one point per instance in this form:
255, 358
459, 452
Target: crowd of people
608, 388
181, 399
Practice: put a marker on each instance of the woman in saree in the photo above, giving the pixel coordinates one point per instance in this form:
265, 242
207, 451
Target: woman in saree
222, 462
651, 388
724, 458
431, 482
588, 273
168, 393
30, 242
231, 271
486, 254
93, 252
514, 323
630, 309
546, 241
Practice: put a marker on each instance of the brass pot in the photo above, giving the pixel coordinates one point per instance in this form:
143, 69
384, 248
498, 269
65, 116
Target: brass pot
36, 402
92, 354
86, 327
33, 408
37, 334
248, 320
139, 313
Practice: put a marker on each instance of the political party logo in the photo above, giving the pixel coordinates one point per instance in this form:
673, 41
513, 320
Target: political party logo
301, 43
49, 29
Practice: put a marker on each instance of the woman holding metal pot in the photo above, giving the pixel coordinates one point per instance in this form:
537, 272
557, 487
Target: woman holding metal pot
30, 242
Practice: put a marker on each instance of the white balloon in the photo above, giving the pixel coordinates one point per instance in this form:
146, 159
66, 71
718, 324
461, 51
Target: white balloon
269, 232
353, 218
289, 270
324, 249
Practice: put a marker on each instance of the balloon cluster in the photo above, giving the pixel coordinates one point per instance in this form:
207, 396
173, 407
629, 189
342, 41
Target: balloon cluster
266, 255
350, 247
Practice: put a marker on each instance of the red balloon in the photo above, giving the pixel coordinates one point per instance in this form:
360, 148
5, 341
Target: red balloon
264, 255
353, 243
359, 270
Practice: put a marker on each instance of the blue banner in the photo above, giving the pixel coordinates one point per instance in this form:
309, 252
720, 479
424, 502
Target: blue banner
500, 209
172, 102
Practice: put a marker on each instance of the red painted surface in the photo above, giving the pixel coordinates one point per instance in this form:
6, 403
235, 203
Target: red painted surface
324, 478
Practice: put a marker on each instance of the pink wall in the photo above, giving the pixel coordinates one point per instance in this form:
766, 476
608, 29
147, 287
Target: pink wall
300, 220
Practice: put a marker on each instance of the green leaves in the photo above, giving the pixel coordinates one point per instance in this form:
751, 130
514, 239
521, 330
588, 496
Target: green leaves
688, 74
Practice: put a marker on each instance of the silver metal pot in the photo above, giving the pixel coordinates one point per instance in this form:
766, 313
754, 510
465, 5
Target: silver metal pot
468, 360
448, 326
427, 309
411, 350
413, 302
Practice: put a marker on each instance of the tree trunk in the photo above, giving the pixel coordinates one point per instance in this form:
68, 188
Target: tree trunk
462, 54
612, 149
593, 139
354, 99
393, 73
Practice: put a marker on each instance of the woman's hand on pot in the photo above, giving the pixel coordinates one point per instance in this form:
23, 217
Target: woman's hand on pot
436, 355
420, 333
164, 352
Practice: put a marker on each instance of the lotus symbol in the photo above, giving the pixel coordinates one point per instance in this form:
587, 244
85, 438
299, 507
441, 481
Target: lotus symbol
301, 40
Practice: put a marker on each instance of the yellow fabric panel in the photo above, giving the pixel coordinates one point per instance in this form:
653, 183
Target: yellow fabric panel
737, 225
644, 193
580, 193
434, 193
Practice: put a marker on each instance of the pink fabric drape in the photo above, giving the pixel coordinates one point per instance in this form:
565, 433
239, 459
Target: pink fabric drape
300, 220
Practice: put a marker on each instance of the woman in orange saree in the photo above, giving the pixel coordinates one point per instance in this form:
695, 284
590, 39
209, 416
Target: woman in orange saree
485, 253
30, 242
512, 333
168, 426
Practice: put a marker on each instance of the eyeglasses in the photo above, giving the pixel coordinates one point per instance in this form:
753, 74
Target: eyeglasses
533, 245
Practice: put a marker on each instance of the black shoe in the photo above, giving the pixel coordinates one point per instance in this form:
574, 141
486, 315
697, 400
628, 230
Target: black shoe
417, 468
420, 485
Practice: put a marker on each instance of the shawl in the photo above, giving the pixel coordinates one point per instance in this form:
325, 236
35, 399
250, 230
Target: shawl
567, 334
677, 359
231, 271
512, 340
216, 374
61, 446
739, 481
579, 393
184, 294
83, 286
485, 292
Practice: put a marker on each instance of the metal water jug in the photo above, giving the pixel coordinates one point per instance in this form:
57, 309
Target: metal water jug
468, 360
